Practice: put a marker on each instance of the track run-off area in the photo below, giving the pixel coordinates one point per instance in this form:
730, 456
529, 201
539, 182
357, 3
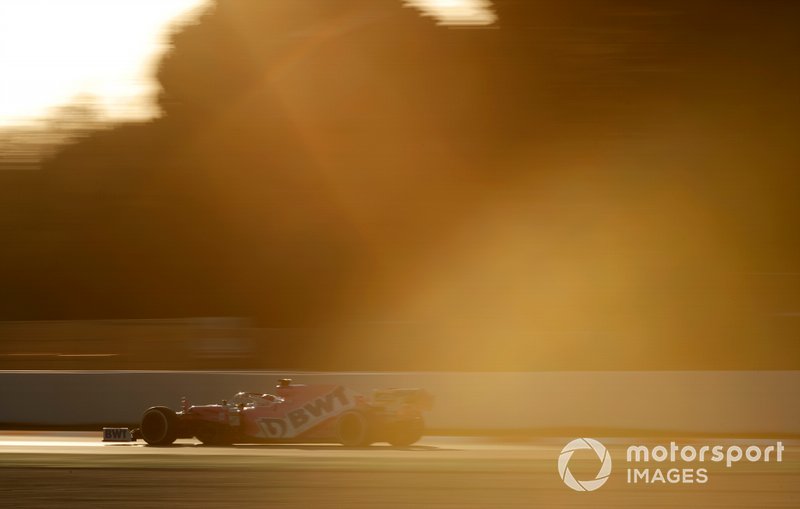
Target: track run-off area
76, 469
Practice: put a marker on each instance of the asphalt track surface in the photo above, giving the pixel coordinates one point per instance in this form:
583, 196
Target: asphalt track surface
78, 470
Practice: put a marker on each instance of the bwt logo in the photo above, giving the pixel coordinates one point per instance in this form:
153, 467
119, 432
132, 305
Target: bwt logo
117, 435
602, 454
309, 415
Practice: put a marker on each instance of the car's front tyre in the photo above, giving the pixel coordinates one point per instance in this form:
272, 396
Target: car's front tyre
159, 426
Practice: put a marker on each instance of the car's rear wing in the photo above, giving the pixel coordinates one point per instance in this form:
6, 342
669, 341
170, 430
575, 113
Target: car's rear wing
418, 398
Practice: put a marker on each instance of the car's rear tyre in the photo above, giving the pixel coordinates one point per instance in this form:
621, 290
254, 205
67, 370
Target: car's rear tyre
353, 429
159, 426
406, 433
210, 433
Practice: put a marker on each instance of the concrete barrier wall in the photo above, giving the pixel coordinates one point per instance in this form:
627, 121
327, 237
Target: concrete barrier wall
723, 402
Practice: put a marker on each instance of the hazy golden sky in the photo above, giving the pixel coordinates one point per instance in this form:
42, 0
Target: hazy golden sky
52, 52
584, 184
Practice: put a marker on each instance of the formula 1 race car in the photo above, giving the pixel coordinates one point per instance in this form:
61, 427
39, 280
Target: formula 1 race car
294, 414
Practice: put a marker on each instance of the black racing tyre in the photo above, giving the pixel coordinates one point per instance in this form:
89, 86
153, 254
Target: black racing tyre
210, 433
159, 426
406, 433
353, 429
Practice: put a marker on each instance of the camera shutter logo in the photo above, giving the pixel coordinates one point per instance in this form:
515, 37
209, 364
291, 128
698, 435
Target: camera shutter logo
602, 455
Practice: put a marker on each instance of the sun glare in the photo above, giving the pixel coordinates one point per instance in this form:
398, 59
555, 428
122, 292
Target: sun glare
55, 52
456, 12
102, 52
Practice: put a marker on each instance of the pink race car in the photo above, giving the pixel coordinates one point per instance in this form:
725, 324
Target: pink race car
295, 413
